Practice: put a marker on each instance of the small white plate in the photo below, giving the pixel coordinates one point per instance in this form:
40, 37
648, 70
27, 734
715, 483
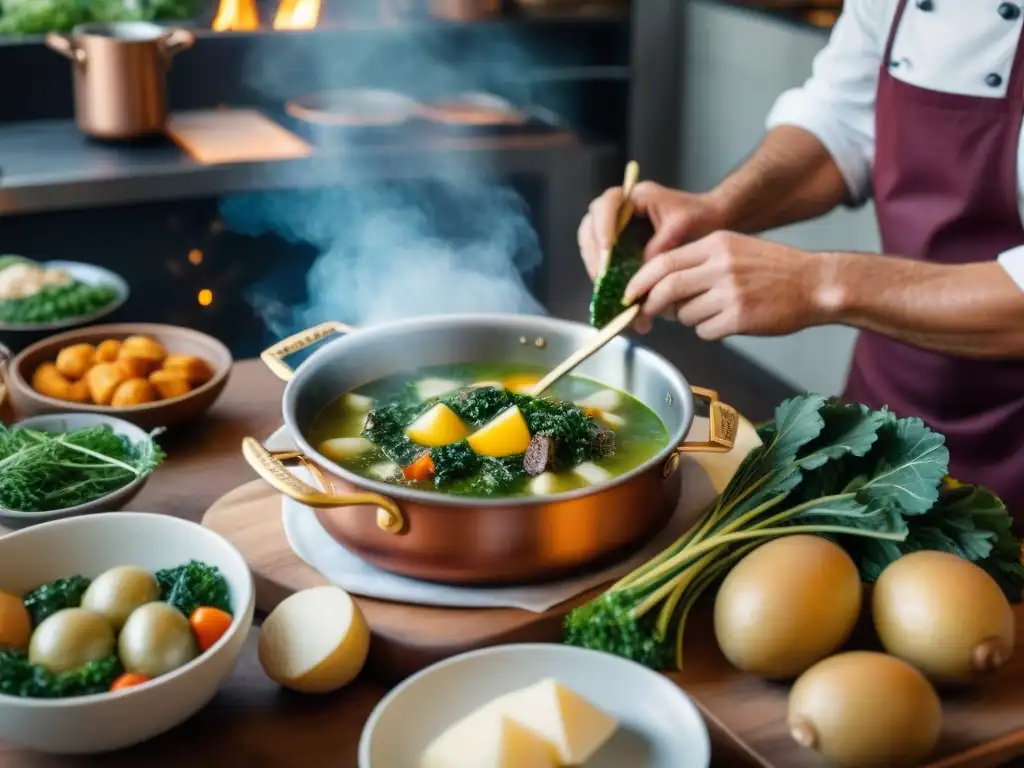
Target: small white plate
659, 725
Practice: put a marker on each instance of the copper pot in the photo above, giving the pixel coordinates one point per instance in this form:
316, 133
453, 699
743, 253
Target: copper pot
465, 10
461, 540
121, 75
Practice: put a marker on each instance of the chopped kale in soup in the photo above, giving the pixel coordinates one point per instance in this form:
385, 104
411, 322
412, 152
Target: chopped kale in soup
471, 430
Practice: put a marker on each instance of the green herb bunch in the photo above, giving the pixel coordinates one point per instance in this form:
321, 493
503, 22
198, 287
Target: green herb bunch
29, 17
872, 482
43, 471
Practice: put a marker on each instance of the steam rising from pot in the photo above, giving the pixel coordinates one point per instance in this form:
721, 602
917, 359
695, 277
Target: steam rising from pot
400, 249
391, 252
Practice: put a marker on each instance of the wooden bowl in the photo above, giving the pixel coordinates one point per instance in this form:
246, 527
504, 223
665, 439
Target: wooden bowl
163, 413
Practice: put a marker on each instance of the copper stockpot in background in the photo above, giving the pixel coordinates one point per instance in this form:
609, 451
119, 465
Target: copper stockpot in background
461, 540
465, 10
120, 74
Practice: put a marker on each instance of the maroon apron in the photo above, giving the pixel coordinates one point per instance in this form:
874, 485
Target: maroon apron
945, 189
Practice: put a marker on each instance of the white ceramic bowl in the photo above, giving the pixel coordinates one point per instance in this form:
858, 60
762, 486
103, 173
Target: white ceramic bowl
68, 422
659, 726
89, 546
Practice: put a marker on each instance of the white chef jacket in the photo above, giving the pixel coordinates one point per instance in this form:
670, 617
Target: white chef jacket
951, 46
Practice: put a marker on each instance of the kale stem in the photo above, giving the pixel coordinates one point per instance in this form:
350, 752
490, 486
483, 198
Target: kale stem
676, 561
706, 579
667, 552
729, 534
791, 529
672, 586
708, 520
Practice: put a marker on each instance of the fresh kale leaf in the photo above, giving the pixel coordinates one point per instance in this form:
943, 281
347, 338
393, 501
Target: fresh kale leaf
913, 462
46, 599
19, 677
624, 261
192, 585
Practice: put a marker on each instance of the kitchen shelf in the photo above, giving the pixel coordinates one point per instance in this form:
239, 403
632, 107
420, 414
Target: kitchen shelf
49, 165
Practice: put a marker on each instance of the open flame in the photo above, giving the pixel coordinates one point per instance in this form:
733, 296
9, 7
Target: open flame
242, 15
236, 16
297, 14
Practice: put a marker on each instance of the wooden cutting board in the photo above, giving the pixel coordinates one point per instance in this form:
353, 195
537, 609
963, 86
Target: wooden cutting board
219, 136
409, 637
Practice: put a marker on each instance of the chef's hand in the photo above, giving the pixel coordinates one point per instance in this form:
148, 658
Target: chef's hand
726, 284
677, 217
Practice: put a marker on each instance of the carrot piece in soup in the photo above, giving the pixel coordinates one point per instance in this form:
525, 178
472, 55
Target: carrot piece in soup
128, 680
209, 625
421, 469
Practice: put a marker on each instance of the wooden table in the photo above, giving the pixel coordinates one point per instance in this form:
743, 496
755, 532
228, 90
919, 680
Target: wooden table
252, 723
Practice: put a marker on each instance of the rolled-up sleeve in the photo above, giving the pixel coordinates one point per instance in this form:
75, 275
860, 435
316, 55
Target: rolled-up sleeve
1013, 262
837, 103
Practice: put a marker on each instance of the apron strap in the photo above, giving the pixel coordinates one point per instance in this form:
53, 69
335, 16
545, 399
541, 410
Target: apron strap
901, 6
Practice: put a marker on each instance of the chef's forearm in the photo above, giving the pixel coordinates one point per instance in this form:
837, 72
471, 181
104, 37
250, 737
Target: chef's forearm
970, 310
790, 177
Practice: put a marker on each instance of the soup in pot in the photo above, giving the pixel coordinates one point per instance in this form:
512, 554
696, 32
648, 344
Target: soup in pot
472, 430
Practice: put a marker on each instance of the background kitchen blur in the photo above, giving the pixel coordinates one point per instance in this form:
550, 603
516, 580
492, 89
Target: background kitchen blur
363, 160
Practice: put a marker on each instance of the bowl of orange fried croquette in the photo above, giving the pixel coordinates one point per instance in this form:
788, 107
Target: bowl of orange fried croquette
148, 374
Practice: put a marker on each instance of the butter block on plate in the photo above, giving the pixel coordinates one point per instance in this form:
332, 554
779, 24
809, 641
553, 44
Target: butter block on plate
488, 739
545, 725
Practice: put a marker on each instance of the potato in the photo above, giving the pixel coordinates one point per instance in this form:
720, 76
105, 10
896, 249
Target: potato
438, 426
944, 615
314, 641
71, 638
865, 710
169, 384
107, 351
15, 623
341, 448
79, 392
144, 347
133, 392
505, 435
103, 379
195, 369
156, 639
116, 593
48, 381
73, 362
786, 605
134, 367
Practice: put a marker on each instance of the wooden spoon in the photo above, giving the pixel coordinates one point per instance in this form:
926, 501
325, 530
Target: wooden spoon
622, 321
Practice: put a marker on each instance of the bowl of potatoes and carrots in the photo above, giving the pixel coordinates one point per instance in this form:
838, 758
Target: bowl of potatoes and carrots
148, 374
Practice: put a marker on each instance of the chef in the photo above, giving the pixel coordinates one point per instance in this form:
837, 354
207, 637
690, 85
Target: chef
918, 104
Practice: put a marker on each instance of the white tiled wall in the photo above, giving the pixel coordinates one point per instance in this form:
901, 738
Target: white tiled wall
735, 64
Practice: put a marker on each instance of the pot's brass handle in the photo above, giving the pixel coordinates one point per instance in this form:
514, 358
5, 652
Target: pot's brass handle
723, 423
65, 46
274, 357
269, 467
176, 41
